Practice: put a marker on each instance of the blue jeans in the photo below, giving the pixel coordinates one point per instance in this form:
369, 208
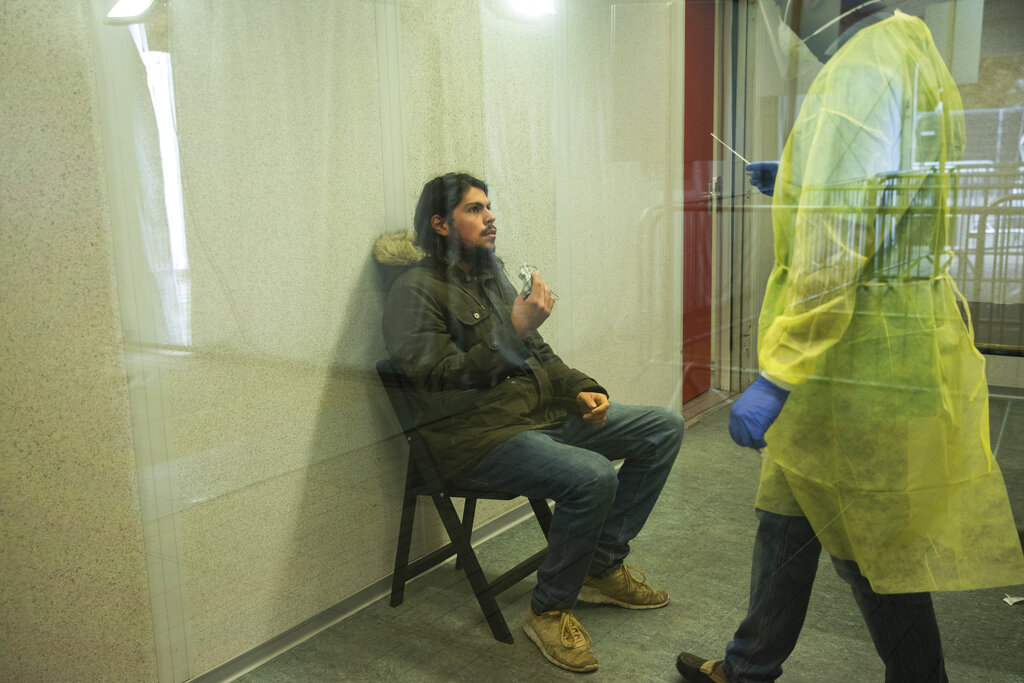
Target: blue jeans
597, 513
786, 551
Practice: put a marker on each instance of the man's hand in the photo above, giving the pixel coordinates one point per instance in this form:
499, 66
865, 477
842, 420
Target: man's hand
528, 314
593, 406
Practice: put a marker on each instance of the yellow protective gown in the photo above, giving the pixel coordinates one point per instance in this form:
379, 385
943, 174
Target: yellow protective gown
883, 444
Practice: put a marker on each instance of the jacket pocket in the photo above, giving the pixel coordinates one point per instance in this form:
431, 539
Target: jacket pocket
473, 324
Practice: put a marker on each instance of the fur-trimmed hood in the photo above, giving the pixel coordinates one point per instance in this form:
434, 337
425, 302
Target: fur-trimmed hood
394, 253
397, 249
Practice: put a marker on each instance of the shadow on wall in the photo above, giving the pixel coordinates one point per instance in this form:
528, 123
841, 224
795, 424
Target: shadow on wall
347, 512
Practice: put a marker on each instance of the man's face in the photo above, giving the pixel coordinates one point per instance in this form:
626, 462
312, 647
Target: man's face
472, 222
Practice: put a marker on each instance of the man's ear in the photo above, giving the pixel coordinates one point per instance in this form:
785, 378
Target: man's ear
439, 225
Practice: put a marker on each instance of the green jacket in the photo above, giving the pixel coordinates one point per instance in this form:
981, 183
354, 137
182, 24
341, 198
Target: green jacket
478, 382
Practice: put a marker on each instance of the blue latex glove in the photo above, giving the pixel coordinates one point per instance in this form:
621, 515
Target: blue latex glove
762, 175
755, 411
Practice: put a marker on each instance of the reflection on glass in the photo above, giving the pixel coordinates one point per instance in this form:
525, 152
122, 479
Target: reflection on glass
296, 133
164, 235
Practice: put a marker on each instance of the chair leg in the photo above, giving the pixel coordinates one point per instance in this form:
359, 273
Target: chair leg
475, 574
398, 579
468, 515
543, 514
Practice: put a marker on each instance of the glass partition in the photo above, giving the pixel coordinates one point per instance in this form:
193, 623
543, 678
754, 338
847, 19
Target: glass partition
256, 151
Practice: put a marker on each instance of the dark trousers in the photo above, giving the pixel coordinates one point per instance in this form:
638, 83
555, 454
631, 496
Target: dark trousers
598, 511
786, 551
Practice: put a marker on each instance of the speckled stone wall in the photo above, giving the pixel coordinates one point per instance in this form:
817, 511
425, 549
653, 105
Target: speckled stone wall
285, 487
74, 590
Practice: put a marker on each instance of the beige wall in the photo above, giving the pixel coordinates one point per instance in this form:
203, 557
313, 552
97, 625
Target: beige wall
268, 461
74, 589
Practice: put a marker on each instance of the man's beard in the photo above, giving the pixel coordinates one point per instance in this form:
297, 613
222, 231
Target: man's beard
478, 258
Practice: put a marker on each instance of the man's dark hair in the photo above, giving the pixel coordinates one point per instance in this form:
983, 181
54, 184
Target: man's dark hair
439, 197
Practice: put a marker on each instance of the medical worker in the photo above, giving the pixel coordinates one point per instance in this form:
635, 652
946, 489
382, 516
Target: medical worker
871, 407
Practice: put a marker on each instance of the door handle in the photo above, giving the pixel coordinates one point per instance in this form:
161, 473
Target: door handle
714, 193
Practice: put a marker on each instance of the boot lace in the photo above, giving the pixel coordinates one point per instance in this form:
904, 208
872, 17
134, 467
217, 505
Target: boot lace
631, 576
573, 633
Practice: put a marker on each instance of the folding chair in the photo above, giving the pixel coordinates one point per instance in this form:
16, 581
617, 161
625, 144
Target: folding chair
423, 479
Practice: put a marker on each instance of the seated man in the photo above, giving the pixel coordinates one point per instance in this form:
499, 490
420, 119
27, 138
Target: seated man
502, 412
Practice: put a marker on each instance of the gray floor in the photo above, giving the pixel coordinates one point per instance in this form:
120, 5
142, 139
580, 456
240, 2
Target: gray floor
697, 546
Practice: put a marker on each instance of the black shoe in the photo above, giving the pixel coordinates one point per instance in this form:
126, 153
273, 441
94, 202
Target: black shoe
697, 670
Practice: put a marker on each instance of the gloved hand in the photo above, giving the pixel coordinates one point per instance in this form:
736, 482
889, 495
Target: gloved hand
755, 411
762, 175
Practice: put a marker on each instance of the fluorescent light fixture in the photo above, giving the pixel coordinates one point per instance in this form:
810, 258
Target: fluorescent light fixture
534, 8
129, 12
